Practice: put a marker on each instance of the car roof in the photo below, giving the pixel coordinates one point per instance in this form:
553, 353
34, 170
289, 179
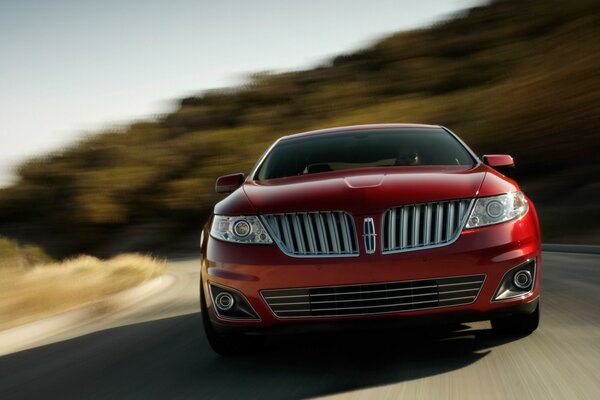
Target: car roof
351, 128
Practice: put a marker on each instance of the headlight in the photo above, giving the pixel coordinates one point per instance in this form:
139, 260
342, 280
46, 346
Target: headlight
239, 229
496, 209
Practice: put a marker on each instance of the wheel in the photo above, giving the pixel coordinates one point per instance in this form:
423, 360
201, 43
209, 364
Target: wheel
227, 344
520, 324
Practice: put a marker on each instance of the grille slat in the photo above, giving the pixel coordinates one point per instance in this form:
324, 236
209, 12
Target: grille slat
374, 298
321, 233
287, 232
298, 236
314, 234
439, 223
404, 234
391, 234
427, 228
461, 212
416, 227
312, 244
345, 228
449, 221
421, 226
333, 234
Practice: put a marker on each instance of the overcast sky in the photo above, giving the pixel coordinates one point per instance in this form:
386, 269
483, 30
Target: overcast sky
70, 67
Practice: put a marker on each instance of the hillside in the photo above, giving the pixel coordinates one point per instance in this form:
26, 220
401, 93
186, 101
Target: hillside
514, 76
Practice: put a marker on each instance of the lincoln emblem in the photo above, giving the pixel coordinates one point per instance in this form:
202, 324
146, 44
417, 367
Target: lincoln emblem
370, 235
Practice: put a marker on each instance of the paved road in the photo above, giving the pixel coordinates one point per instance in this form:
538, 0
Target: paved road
158, 351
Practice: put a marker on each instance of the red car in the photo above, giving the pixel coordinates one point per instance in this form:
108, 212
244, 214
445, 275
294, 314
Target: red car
368, 225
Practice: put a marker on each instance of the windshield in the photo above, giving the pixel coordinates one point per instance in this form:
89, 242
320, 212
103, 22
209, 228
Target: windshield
361, 149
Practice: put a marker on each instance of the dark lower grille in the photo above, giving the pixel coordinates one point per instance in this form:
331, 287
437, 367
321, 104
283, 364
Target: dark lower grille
375, 298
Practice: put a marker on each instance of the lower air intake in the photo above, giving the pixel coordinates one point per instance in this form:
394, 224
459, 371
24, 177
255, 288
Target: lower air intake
376, 298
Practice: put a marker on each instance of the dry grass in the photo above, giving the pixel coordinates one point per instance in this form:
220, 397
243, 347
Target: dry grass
28, 294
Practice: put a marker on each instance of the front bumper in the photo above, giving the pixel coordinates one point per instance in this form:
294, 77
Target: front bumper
448, 317
492, 251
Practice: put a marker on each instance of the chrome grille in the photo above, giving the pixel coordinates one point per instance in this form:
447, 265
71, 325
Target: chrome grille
419, 226
375, 298
313, 234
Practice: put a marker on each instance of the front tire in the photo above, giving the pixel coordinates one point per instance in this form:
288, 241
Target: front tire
519, 324
227, 344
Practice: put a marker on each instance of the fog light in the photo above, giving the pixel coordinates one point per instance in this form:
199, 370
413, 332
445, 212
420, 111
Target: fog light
224, 301
522, 279
517, 282
230, 303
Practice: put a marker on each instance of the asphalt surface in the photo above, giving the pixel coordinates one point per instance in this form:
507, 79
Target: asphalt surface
157, 350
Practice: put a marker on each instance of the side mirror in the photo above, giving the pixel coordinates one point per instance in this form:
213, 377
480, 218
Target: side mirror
502, 163
499, 161
228, 183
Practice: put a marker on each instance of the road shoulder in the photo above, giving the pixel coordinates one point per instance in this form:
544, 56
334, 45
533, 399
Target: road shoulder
36, 333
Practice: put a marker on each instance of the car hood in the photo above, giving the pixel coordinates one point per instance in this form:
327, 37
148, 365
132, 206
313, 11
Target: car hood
364, 191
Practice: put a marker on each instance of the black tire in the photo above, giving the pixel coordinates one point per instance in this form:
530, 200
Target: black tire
227, 344
519, 324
